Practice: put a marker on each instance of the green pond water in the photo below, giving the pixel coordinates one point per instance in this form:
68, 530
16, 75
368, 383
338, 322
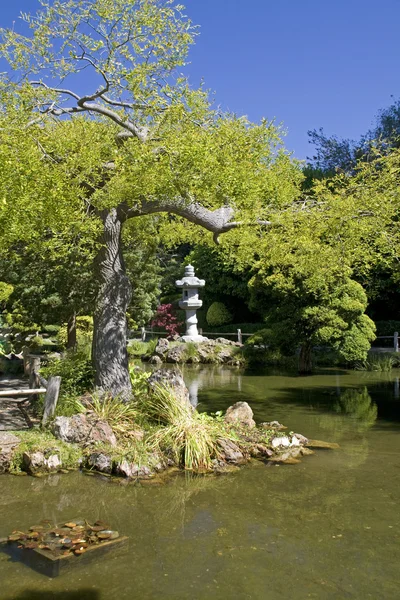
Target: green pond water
326, 528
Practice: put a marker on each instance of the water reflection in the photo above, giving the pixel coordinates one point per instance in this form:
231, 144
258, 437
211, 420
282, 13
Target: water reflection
326, 528
358, 403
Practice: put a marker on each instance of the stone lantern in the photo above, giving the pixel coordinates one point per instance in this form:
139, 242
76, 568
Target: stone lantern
190, 302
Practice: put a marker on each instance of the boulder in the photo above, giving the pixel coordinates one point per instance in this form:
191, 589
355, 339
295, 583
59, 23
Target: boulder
176, 354
173, 379
127, 469
100, 462
230, 452
162, 347
83, 429
240, 414
302, 439
155, 360
226, 342
8, 442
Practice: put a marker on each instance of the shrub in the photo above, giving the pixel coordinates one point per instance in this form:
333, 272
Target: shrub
166, 319
218, 314
76, 373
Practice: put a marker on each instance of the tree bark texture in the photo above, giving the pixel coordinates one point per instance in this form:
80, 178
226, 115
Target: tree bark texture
305, 360
109, 352
71, 331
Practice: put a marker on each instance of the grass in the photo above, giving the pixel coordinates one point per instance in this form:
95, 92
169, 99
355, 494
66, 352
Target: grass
190, 437
379, 362
43, 441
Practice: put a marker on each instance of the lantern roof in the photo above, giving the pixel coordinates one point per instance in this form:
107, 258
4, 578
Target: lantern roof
190, 280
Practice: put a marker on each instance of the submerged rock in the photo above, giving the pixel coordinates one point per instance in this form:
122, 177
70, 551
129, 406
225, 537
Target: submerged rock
240, 414
318, 444
273, 425
83, 429
155, 360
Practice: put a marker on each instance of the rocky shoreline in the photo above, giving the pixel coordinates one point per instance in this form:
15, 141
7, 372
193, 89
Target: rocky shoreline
85, 441
218, 351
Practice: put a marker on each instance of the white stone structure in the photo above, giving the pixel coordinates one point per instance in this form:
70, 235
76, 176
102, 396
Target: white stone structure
190, 302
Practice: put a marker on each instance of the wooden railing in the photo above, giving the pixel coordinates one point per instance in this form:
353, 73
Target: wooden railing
37, 385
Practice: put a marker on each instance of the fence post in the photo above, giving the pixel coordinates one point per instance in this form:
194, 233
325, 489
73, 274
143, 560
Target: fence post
143, 334
239, 335
51, 398
200, 331
34, 368
396, 341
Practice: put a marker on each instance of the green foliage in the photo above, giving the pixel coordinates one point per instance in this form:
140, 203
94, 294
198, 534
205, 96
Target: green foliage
137, 348
75, 370
43, 441
120, 415
218, 314
139, 381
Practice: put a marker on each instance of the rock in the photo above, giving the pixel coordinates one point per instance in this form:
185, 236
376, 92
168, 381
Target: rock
306, 451
155, 360
8, 442
173, 379
53, 462
100, 462
260, 450
289, 457
230, 452
318, 444
224, 355
302, 439
35, 462
126, 469
162, 347
137, 434
226, 342
295, 441
176, 354
83, 429
240, 414
280, 442
272, 425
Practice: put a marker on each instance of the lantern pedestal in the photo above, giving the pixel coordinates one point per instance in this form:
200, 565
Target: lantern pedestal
190, 302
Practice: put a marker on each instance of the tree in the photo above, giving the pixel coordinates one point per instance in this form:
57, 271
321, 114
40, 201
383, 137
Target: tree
310, 300
157, 145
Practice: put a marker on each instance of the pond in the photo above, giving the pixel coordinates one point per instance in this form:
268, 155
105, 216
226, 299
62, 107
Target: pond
326, 528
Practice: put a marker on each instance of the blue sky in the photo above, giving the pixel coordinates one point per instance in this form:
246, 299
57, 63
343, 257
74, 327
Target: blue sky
308, 64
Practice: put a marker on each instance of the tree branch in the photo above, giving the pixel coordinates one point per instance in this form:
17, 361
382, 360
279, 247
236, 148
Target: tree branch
217, 221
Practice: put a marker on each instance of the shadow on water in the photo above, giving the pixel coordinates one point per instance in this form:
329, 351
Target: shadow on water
84, 594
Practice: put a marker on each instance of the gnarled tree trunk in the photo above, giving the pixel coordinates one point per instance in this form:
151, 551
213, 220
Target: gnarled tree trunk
305, 359
109, 352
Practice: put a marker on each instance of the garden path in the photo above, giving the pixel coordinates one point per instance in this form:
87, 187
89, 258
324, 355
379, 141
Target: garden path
13, 414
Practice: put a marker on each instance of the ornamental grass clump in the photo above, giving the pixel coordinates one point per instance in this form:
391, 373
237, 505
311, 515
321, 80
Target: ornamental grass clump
119, 415
190, 437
